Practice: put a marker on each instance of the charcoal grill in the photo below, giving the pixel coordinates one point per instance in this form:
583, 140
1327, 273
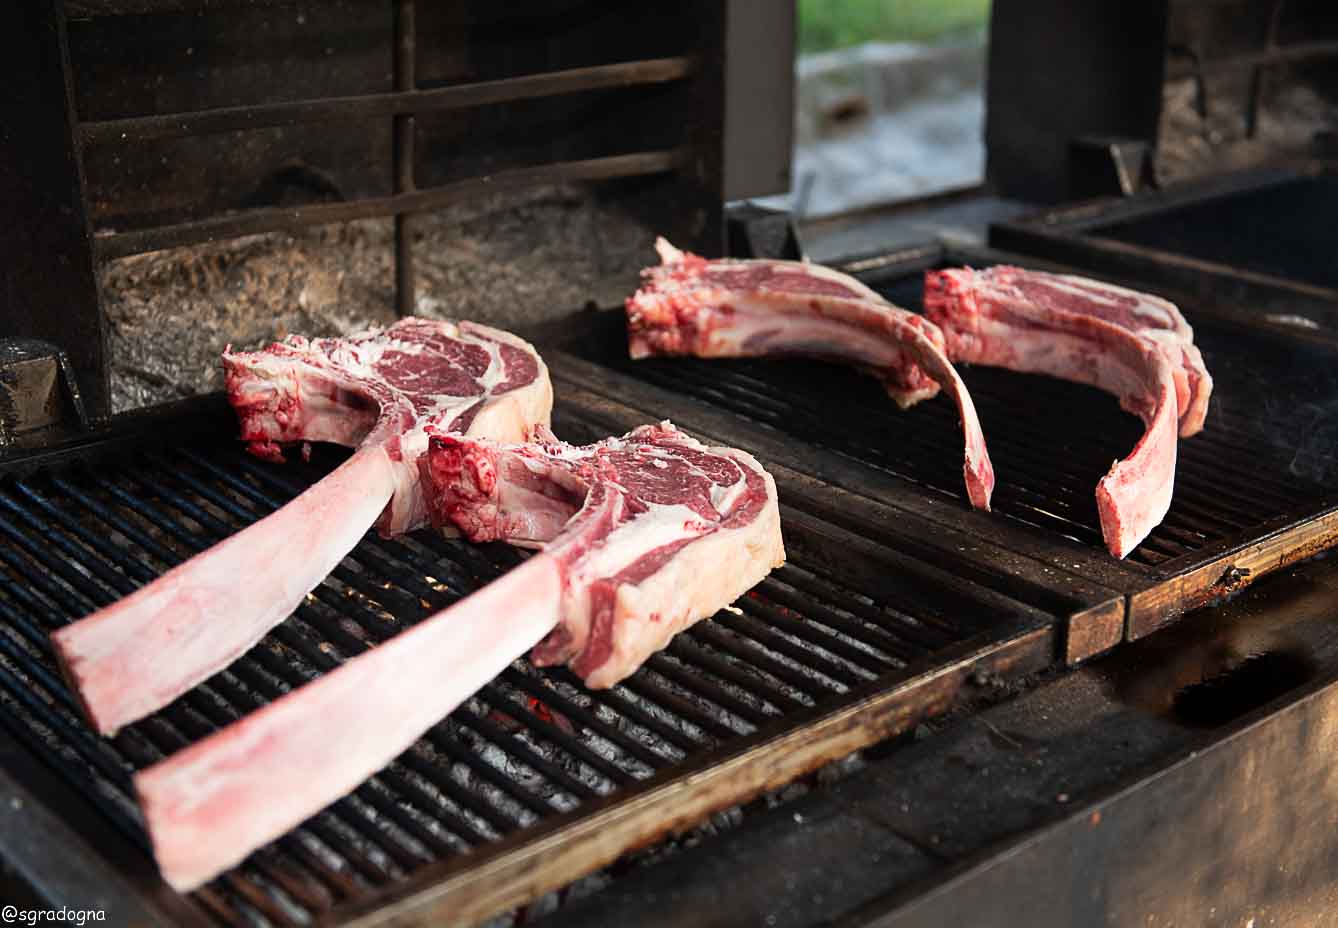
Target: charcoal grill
901, 615
536, 781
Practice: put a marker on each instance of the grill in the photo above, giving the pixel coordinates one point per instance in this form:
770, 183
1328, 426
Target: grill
536, 781
896, 597
901, 611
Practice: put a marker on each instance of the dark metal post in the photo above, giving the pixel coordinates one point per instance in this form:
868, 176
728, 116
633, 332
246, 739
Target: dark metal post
1260, 73
48, 289
404, 155
699, 213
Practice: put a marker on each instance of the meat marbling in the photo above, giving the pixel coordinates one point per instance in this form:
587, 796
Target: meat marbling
641, 536
759, 308
377, 390
1133, 345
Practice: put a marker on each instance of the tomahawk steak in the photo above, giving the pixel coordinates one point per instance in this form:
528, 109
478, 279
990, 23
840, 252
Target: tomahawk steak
758, 308
642, 535
377, 390
1133, 345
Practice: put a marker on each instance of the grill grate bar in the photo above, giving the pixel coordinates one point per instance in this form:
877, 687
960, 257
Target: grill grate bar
922, 637
66, 585
88, 785
889, 639
251, 892
715, 636
111, 577
572, 710
87, 748
406, 858
48, 680
677, 675
94, 750
478, 723
619, 703
784, 622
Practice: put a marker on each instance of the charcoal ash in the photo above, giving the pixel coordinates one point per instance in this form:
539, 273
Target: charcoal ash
508, 260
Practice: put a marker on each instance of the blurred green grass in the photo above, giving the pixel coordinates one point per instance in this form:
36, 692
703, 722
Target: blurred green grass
828, 24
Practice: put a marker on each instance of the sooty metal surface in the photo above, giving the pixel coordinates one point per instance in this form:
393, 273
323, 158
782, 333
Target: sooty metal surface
1282, 230
1254, 241
527, 786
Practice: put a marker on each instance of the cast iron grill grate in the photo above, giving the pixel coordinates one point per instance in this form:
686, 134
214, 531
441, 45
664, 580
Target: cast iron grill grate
531, 746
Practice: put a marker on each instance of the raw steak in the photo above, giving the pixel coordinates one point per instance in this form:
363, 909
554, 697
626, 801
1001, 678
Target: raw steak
1136, 346
728, 308
376, 390
653, 531
645, 534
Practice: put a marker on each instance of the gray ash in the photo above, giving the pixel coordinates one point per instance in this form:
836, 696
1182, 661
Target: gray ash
508, 260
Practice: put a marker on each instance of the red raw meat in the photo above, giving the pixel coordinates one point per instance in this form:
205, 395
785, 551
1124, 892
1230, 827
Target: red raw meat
378, 391
761, 308
1133, 345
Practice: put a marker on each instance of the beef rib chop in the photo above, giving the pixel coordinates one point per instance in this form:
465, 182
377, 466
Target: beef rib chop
1131, 344
762, 308
378, 391
641, 536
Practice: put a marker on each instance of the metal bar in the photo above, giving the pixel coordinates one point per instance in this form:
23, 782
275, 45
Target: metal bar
643, 687
90, 749
616, 701
486, 730
352, 645
276, 219
747, 678
554, 735
87, 785
679, 675
110, 578
758, 661
1259, 74
112, 519
406, 101
48, 283
547, 695
1300, 51
919, 638
875, 633
405, 82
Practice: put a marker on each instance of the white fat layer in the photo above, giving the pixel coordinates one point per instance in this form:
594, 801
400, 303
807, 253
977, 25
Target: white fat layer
797, 333
670, 255
1070, 357
1160, 313
724, 498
